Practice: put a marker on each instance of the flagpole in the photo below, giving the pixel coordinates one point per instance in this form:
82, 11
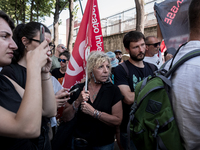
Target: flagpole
86, 80
81, 6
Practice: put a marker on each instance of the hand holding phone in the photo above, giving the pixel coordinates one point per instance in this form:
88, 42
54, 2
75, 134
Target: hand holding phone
41, 33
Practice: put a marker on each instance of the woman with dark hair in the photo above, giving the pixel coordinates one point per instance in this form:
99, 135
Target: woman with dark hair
59, 73
27, 38
20, 109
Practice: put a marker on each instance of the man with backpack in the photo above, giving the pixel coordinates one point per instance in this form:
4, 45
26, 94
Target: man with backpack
185, 89
128, 74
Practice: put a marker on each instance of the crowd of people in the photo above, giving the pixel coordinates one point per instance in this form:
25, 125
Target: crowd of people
96, 115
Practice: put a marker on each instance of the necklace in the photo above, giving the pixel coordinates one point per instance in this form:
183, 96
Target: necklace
94, 93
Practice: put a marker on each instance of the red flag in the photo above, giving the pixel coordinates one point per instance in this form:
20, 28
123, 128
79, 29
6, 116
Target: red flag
162, 47
89, 39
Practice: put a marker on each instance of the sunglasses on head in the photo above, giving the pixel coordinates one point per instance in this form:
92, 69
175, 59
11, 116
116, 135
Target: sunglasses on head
63, 47
155, 44
63, 60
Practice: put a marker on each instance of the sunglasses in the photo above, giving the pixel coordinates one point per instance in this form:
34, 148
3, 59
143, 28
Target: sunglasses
155, 44
63, 60
63, 47
51, 45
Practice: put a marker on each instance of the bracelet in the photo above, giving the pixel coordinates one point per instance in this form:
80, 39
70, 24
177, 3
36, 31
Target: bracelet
94, 113
73, 105
46, 79
97, 114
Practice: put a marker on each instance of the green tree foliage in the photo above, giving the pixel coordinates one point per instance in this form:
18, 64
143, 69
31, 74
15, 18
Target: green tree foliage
22, 11
60, 5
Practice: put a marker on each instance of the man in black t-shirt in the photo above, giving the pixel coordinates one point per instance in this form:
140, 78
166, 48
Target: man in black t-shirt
59, 73
138, 69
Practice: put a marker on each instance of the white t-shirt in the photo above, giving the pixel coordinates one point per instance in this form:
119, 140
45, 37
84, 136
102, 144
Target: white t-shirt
56, 87
185, 93
157, 61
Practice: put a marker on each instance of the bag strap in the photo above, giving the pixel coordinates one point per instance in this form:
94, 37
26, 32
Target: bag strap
163, 66
176, 54
153, 67
123, 64
183, 59
131, 117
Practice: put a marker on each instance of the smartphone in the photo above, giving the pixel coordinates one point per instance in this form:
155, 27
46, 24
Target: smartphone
73, 91
41, 33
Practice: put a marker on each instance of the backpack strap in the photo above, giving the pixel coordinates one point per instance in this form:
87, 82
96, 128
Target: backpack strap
131, 117
163, 66
123, 64
153, 67
183, 59
176, 54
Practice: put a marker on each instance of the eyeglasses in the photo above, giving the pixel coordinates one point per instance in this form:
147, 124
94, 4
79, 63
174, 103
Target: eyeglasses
51, 45
63, 60
155, 44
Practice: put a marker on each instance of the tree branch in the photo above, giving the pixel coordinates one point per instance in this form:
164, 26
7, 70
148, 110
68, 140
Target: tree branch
63, 7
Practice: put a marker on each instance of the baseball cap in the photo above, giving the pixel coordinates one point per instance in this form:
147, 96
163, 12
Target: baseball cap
117, 51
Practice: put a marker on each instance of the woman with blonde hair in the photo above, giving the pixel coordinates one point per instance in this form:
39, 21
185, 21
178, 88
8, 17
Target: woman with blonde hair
99, 108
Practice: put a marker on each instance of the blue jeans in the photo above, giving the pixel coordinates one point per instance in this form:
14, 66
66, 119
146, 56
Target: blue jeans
124, 142
105, 147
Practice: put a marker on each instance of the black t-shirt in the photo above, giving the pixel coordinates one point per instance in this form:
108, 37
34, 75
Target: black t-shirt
57, 74
136, 75
19, 77
94, 131
18, 73
11, 100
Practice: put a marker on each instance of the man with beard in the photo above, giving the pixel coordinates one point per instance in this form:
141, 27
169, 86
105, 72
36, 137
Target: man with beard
118, 54
134, 43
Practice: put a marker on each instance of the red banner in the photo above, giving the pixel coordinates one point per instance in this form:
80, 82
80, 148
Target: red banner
89, 39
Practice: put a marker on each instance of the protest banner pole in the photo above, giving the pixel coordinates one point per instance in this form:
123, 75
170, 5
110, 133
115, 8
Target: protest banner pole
81, 6
86, 75
89, 38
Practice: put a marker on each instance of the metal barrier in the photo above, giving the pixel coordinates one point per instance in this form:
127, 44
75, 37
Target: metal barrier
126, 20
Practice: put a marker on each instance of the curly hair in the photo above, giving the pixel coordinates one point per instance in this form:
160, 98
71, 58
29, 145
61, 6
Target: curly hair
95, 59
